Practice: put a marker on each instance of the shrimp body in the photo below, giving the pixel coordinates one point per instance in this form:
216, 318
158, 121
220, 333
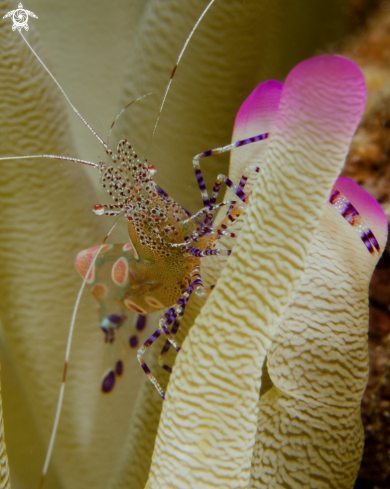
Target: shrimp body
152, 271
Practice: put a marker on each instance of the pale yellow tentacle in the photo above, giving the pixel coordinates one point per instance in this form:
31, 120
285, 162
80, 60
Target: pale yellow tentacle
309, 428
208, 424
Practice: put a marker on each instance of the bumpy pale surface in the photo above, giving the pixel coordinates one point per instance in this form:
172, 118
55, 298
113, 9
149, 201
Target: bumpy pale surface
146, 414
309, 428
256, 116
208, 425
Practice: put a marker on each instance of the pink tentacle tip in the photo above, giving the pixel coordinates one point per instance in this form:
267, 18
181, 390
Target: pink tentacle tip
317, 87
367, 206
259, 109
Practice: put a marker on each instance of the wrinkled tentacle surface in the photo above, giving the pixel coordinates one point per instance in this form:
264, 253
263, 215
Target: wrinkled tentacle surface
309, 426
208, 426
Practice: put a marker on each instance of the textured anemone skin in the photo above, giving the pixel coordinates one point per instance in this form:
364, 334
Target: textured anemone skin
256, 116
208, 425
309, 428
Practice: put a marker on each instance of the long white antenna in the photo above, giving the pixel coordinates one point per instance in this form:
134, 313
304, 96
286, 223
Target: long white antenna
64, 94
67, 353
55, 157
173, 74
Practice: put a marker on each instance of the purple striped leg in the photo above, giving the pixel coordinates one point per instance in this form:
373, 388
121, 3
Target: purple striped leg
217, 185
205, 230
238, 189
222, 229
167, 346
350, 214
245, 176
223, 149
172, 315
231, 216
196, 280
176, 325
206, 210
200, 254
